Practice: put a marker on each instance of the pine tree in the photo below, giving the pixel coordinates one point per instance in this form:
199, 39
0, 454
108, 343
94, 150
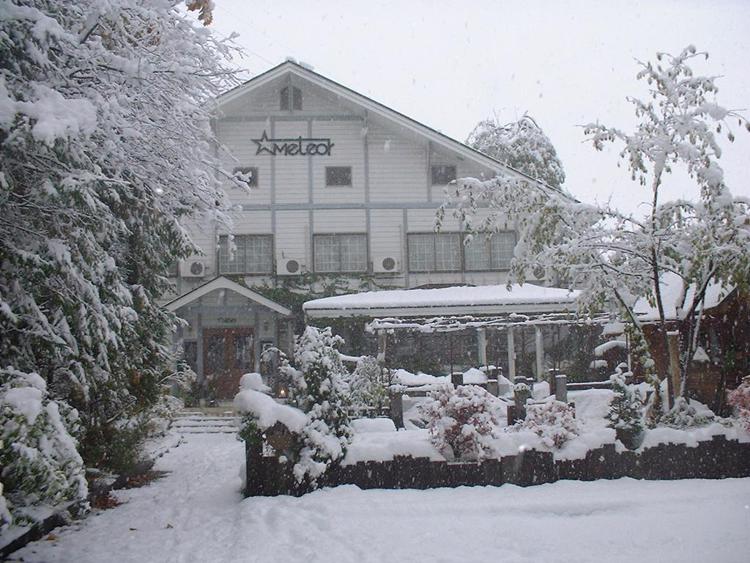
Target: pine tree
318, 388
369, 384
625, 412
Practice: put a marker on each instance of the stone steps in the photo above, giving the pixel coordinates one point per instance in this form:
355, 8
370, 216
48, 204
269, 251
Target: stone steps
196, 422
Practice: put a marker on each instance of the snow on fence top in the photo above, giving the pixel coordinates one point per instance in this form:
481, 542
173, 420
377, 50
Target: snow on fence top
463, 300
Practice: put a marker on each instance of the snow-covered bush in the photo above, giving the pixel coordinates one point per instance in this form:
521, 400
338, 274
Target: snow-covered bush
740, 400
39, 461
553, 421
625, 412
318, 388
461, 421
685, 415
369, 384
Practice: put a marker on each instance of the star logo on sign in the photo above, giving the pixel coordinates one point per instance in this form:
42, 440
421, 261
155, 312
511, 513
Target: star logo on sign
262, 142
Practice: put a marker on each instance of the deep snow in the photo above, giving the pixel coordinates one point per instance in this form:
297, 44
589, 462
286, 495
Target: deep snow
196, 513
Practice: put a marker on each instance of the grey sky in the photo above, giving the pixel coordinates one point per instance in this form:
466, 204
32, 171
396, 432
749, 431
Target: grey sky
450, 64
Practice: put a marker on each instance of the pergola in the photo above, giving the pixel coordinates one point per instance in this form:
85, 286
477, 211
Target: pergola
450, 309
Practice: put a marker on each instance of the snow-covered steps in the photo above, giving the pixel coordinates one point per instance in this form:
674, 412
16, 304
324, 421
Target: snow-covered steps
197, 422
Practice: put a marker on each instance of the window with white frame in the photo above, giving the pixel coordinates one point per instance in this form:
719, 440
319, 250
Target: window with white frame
434, 252
338, 175
445, 252
290, 98
252, 254
335, 253
490, 253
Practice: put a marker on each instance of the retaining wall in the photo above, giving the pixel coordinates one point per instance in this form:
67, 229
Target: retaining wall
715, 459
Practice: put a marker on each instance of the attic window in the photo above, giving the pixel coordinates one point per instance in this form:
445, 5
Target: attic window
443, 174
291, 98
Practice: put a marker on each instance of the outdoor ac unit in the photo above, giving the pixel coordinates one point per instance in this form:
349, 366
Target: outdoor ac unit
194, 268
289, 266
385, 264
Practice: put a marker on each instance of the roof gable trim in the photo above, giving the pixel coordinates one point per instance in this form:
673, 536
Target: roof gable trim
224, 283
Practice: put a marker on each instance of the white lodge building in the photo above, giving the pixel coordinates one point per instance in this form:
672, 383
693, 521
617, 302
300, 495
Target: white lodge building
340, 186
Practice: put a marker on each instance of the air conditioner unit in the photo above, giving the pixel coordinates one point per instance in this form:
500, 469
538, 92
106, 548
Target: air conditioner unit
194, 268
385, 264
289, 266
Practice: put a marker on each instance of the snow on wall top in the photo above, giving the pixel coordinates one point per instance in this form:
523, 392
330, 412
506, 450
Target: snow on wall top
463, 299
677, 299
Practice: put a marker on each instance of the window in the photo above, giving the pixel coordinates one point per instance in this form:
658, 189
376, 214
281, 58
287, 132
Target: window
338, 175
252, 255
443, 174
434, 252
340, 253
246, 174
295, 94
493, 253
445, 252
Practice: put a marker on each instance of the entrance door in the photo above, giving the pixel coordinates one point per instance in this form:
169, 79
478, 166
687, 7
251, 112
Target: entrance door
228, 354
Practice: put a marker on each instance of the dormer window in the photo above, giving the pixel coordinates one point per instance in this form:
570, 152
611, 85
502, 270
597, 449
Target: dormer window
291, 98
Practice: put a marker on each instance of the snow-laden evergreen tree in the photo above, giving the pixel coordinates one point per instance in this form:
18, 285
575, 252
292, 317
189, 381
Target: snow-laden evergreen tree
318, 388
105, 146
613, 256
369, 384
625, 413
40, 465
522, 145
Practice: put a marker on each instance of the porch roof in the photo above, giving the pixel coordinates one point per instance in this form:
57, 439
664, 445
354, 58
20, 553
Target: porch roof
447, 301
224, 283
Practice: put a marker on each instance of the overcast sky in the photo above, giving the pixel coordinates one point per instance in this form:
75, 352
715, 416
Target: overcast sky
449, 64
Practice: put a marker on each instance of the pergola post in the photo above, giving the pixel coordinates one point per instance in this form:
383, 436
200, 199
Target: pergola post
382, 342
539, 349
482, 346
511, 355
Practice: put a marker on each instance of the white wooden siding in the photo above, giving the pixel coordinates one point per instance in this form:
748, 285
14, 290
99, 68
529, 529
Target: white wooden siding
293, 236
340, 221
292, 183
398, 166
348, 150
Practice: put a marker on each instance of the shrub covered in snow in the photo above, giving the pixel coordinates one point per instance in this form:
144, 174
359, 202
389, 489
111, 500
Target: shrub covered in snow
740, 400
317, 388
38, 457
684, 415
553, 421
625, 412
369, 384
461, 421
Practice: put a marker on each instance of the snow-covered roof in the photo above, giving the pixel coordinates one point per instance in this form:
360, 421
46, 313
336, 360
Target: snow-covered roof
224, 283
462, 300
677, 299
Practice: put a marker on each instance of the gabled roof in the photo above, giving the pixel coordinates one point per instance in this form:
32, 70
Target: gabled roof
223, 283
465, 300
372, 106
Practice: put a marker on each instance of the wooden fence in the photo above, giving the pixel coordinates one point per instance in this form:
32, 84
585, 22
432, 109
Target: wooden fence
715, 459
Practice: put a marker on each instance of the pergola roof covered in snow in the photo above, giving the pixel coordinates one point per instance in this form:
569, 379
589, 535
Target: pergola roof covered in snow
450, 301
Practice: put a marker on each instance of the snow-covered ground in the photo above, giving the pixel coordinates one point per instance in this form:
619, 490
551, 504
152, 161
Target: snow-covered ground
196, 513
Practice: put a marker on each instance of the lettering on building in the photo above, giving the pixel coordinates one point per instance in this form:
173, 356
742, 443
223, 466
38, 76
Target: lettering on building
296, 146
